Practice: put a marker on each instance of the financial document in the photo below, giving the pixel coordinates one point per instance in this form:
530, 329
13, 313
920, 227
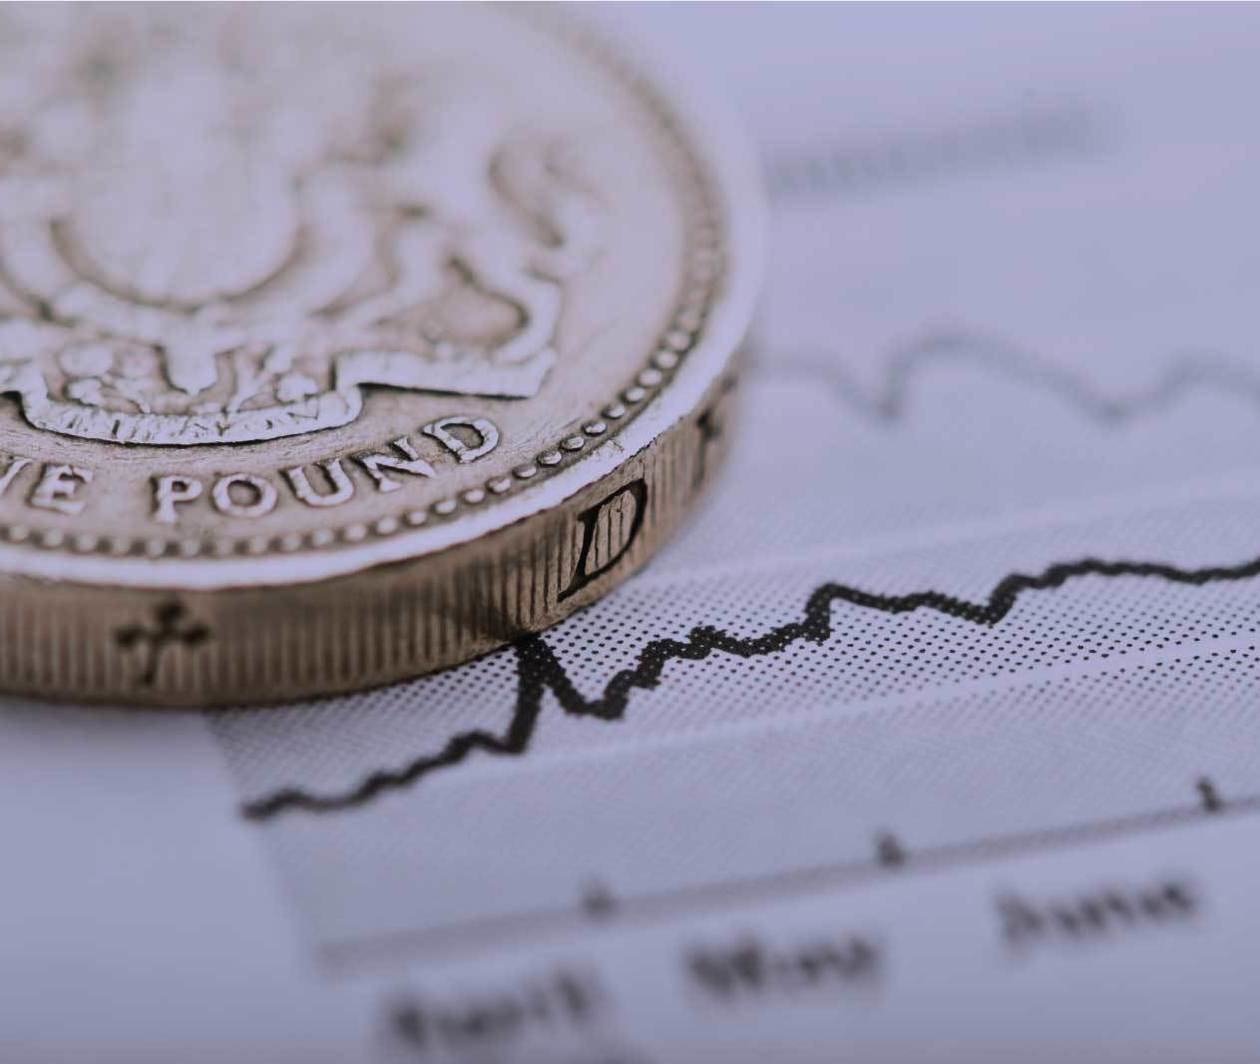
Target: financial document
934, 736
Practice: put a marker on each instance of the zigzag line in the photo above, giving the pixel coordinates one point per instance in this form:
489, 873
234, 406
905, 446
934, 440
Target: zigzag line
1183, 375
538, 669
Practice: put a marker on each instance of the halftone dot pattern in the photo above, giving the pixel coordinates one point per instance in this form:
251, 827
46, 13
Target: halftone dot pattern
1078, 391
728, 804
335, 738
870, 654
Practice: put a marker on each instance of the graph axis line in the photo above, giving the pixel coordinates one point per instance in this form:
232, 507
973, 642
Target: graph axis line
670, 903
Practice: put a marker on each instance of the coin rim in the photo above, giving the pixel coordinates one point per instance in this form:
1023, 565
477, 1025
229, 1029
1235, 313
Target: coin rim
731, 192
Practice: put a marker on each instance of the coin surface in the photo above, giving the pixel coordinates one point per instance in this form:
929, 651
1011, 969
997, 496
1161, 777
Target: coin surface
342, 344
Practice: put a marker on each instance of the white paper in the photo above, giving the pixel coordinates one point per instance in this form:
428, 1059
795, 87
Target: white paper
1010, 326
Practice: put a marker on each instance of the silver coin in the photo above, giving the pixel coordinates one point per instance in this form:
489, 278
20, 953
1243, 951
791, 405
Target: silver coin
338, 344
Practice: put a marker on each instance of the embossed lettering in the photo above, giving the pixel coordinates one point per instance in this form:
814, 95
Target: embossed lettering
56, 488
342, 486
637, 492
486, 431
15, 466
374, 462
169, 491
260, 493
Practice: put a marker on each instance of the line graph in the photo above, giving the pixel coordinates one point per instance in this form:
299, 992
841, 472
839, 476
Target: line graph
1180, 377
539, 670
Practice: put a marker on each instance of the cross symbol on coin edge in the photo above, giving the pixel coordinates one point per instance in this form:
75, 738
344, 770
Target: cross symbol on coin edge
168, 628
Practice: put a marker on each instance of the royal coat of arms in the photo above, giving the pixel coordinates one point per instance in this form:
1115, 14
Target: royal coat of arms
202, 243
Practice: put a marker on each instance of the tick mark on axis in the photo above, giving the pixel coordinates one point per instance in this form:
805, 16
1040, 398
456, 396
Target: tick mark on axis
1209, 798
888, 850
598, 902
